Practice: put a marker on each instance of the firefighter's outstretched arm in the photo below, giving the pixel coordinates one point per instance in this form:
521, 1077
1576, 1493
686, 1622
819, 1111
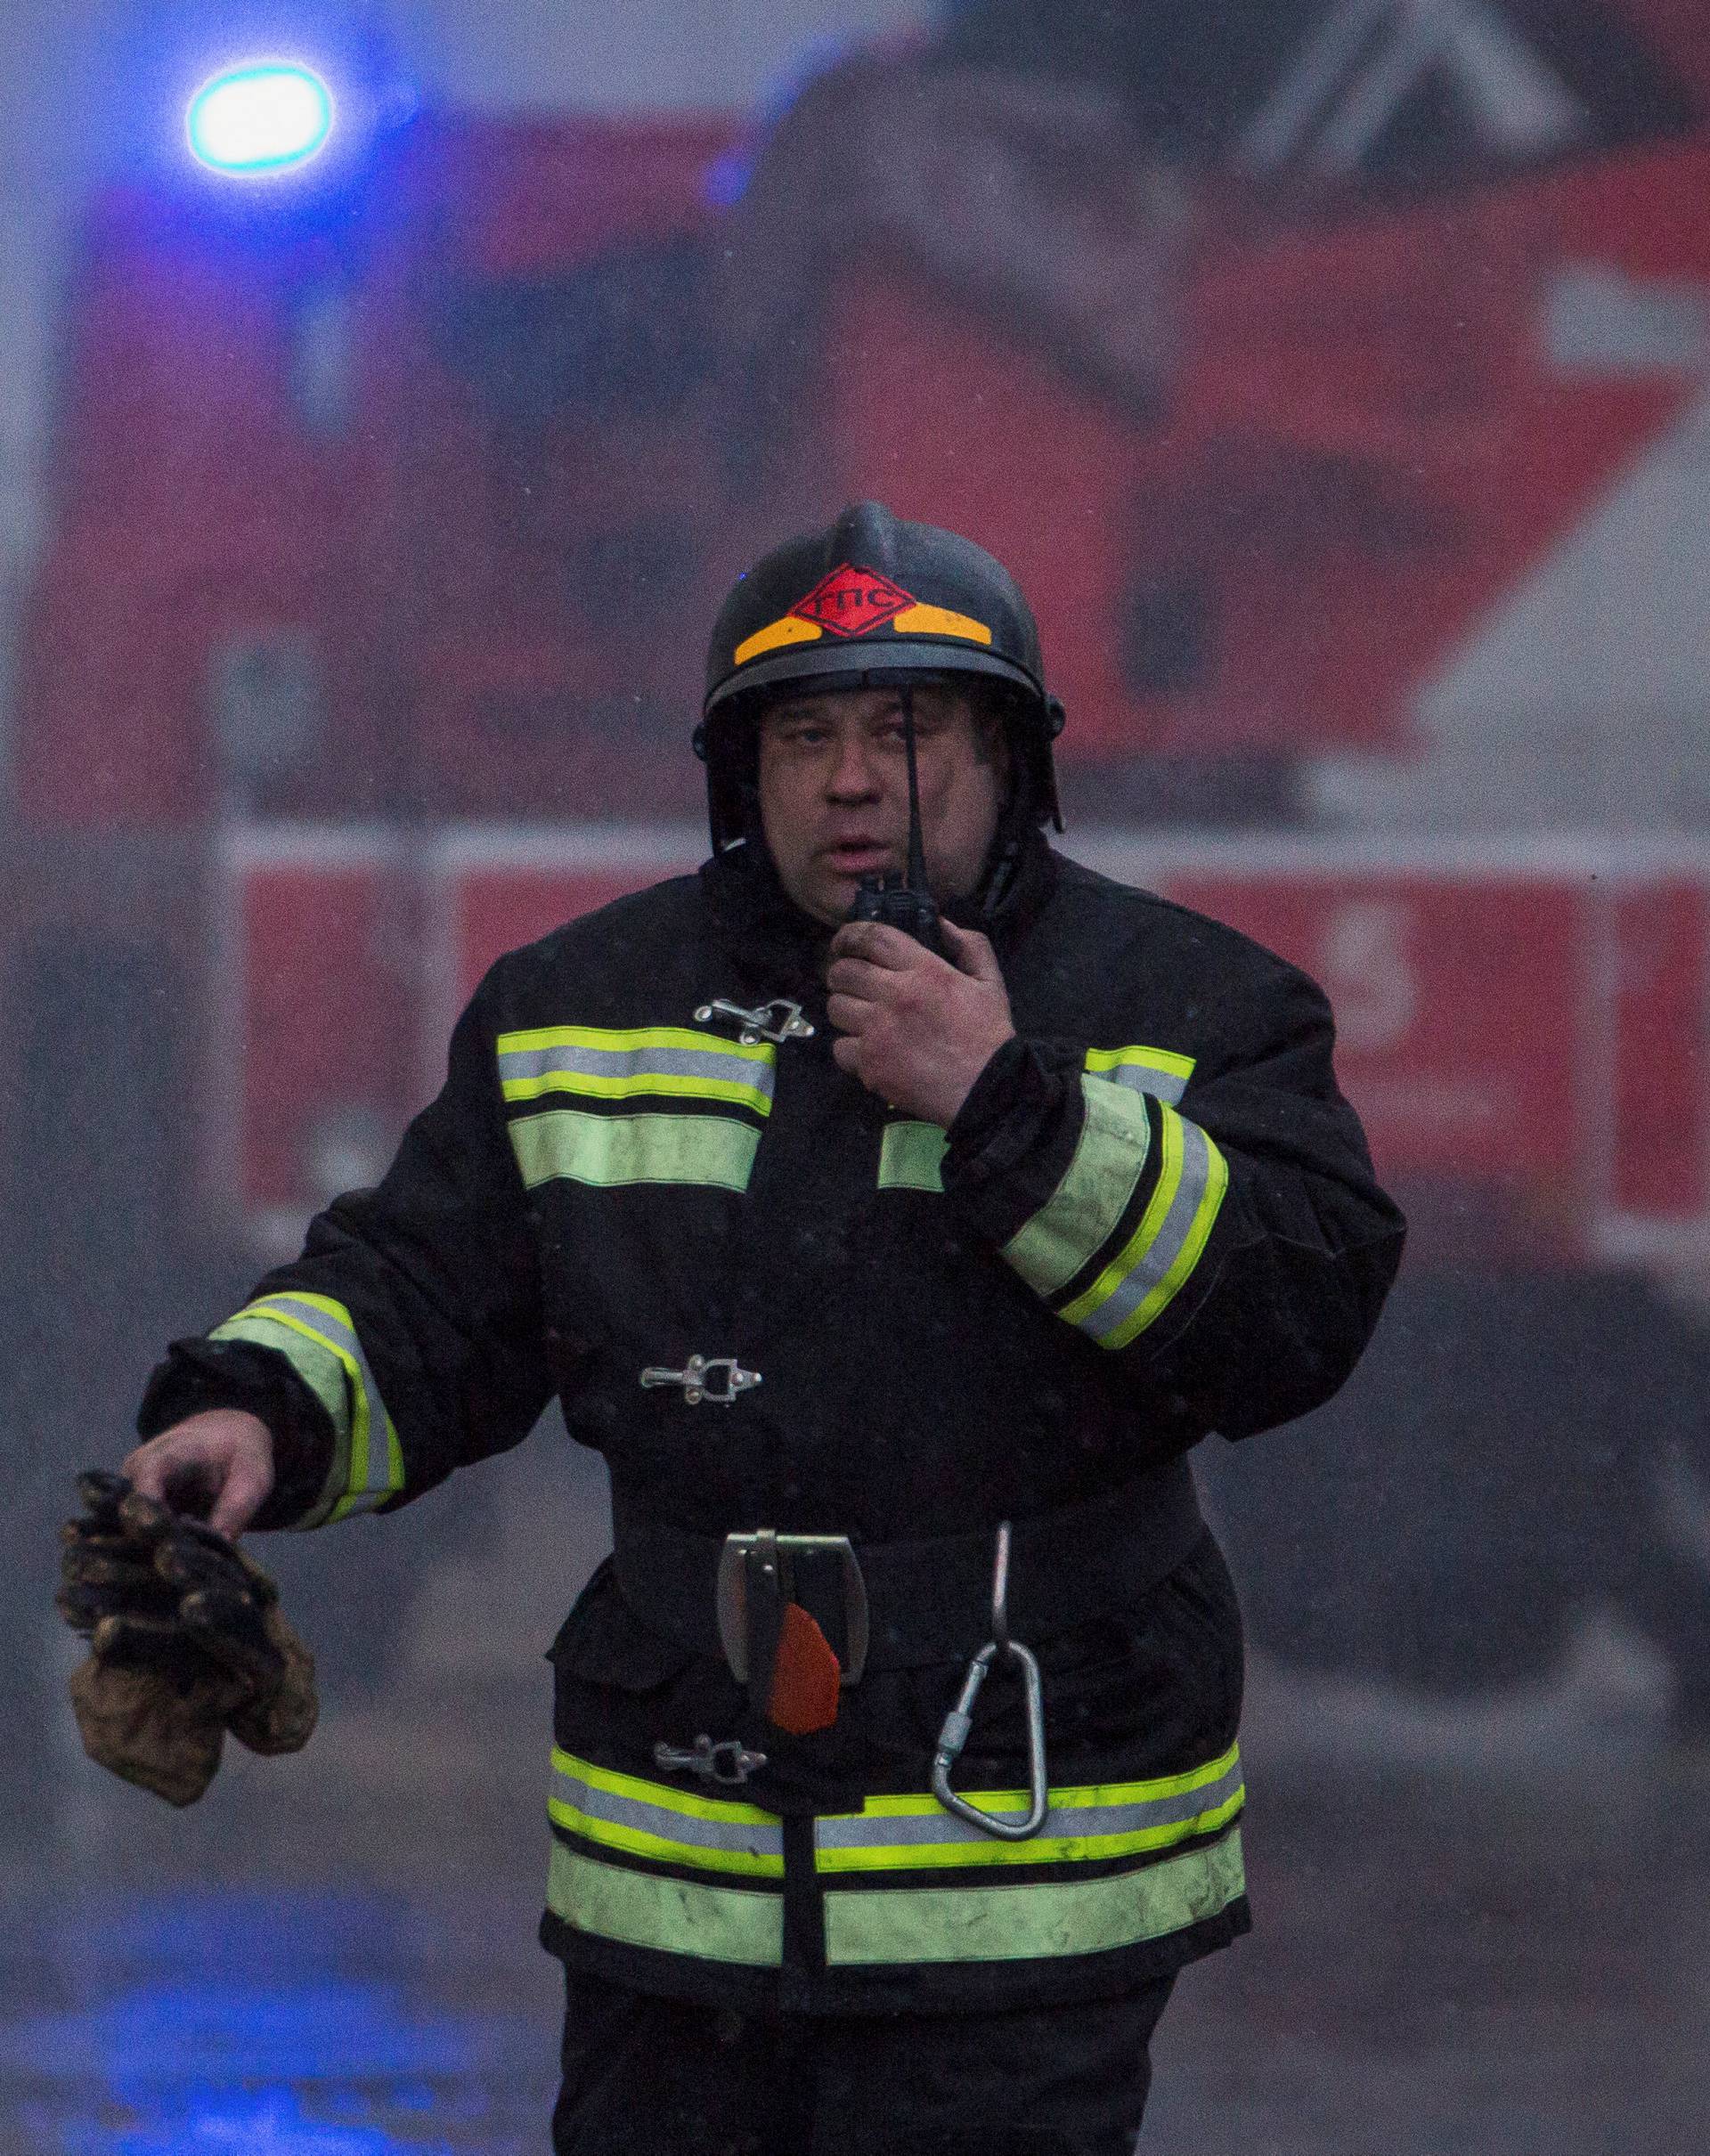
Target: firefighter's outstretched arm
405, 1341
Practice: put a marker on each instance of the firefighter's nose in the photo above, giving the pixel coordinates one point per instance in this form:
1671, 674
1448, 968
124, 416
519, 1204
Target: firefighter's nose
854, 773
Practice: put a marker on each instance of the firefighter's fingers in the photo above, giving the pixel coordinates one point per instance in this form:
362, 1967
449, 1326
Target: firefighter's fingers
857, 977
972, 953
850, 1013
218, 1463
846, 1053
878, 945
243, 1494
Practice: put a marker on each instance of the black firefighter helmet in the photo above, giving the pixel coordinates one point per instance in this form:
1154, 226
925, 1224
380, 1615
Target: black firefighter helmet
871, 602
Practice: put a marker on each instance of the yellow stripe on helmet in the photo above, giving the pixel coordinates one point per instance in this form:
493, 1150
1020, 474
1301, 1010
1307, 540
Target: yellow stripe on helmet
789, 629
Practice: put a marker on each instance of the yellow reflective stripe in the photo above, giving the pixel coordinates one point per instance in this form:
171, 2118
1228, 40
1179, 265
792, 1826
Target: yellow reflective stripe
362, 1475
869, 1927
640, 1841
790, 628
1085, 1208
1163, 1250
911, 1157
361, 1492
637, 1824
608, 1151
728, 1924
1170, 1174
1082, 1796
979, 1851
643, 1792
320, 1365
1157, 1070
610, 1064
1081, 1826
1186, 1258
624, 1040
940, 622
641, 1082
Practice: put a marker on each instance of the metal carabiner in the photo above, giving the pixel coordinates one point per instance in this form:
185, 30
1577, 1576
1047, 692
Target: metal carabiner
958, 1723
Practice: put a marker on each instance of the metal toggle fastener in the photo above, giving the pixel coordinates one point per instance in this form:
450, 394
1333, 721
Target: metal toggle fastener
762, 1023
958, 1723
728, 1760
700, 1381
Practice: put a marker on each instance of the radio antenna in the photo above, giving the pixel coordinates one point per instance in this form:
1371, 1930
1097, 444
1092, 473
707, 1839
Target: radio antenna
916, 846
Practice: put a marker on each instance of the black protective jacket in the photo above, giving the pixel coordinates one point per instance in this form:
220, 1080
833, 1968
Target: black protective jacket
1153, 1219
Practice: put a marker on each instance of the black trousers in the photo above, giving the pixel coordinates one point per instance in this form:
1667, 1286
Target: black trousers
657, 2076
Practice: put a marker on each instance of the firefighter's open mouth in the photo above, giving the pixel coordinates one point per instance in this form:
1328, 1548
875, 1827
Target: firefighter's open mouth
857, 857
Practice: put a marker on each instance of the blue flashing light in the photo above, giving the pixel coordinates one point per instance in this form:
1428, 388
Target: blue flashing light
260, 119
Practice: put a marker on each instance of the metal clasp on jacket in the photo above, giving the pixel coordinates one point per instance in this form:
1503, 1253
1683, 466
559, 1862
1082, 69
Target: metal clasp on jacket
699, 1380
728, 1760
958, 1723
762, 1023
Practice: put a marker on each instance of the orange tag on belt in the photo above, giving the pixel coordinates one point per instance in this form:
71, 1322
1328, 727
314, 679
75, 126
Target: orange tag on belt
806, 1676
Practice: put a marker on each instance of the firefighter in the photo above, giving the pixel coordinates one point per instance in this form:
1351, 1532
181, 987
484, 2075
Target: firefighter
895, 1264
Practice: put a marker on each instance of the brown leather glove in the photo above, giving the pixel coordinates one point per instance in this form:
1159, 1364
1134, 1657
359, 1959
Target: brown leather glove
187, 1640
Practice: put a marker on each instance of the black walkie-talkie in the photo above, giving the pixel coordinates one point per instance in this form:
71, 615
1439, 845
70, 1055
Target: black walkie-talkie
903, 901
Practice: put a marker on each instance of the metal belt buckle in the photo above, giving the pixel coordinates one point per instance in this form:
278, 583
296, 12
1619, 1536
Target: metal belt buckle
775, 1551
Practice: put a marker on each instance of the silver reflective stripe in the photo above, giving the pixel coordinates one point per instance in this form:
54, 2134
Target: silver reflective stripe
630, 1062
652, 1820
903, 1834
1158, 1071
1153, 1271
1064, 1821
615, 1064
368, 1462
1085, 1209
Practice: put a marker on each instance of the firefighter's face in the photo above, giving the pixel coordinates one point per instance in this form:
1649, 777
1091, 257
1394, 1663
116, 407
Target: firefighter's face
833, 792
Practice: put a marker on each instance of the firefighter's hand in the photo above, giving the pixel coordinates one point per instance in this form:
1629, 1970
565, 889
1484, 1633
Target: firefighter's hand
917, 1030
218, 1464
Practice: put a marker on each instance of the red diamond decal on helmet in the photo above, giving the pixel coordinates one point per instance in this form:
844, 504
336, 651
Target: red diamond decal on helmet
850, 601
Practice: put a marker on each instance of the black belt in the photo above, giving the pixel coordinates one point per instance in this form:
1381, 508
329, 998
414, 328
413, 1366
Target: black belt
930, 1600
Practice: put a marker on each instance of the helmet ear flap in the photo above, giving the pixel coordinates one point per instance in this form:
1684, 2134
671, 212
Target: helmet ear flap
1055, 719
1031, 724
729, 744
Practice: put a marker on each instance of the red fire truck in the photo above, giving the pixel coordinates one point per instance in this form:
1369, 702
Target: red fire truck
367, 638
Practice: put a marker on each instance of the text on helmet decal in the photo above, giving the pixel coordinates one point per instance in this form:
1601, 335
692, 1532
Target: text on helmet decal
852, 601
855, 601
